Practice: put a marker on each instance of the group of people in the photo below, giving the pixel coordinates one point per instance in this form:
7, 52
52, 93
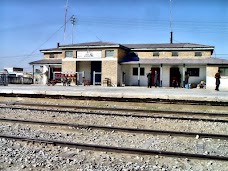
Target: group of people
186, 78
149, 79
66, 81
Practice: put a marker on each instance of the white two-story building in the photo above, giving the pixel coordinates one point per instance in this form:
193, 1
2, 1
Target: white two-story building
128, 64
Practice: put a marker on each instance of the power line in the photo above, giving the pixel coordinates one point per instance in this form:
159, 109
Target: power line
19, 56
45, 41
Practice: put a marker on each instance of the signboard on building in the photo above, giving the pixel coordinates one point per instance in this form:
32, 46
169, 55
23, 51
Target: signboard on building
88, 54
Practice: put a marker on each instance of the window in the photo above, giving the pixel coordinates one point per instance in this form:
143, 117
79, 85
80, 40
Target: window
155, 53
69, 54
142, 71
174, 53
135, 71
109, 53
193, 72
223, 71
52, 55
198, 53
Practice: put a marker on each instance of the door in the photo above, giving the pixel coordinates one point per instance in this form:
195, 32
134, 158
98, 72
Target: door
175, 76
152, 77
95, 66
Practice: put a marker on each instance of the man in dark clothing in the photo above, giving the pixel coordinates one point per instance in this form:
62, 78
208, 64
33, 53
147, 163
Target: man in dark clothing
217, 80
149, 83
156, 78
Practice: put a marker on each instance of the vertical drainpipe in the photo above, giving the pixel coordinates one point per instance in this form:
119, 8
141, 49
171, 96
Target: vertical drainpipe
161, 75
183, 74
32, 74
49, 72
139, 74
94, 74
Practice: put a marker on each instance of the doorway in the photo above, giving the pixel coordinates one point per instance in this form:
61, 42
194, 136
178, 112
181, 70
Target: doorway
152, 77
95, 66
175, 77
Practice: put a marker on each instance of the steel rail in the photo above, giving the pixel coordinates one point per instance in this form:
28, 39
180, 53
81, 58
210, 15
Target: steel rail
122, 129
122, 115
116, 99
117, 109
95, 147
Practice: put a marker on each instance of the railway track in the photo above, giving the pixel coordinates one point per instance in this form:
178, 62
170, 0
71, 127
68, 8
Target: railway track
113, 99
122, 129
138, 113
117, 149
113, 109
64, 117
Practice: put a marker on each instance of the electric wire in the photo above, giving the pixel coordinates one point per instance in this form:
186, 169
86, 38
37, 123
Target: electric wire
45, 41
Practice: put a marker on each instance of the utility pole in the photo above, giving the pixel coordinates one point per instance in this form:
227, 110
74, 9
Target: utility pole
65, 21
171, 32
72, 22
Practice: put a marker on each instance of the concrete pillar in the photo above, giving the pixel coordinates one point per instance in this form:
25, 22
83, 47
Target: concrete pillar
161, 74
183, 75
33, 74
94, 75
138, 74
45, 74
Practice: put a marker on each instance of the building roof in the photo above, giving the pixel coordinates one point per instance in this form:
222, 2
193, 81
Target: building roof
171, 60
52, 50
166, 45
47, 61
100, 43
85, 45
162, 46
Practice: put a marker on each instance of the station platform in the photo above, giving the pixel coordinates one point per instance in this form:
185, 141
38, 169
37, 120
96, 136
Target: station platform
127, 92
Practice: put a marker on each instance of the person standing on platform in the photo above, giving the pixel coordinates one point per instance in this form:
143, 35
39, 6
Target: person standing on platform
149, 81
186, 77
156, 79
217, 80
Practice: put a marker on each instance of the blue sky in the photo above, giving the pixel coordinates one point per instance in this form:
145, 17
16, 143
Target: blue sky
26, 26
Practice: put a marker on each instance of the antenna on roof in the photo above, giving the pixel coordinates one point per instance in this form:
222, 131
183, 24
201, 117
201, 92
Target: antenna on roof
65, 20
72, 22
98, 38
171, 33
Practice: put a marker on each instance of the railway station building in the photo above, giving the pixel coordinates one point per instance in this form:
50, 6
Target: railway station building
113, 64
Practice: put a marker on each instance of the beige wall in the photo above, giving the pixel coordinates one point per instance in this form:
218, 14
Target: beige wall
187, 54
115, 53
68, 66
211, 70
57, 56
210, 80
109, 70
74, 52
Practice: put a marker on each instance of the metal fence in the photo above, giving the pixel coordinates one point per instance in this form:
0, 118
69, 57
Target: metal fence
3, 79
19, 80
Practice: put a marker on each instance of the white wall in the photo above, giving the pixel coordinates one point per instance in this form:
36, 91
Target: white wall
223, 83
119, 75
165, 76
85, 66
45, 74
133, 80
202, 75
